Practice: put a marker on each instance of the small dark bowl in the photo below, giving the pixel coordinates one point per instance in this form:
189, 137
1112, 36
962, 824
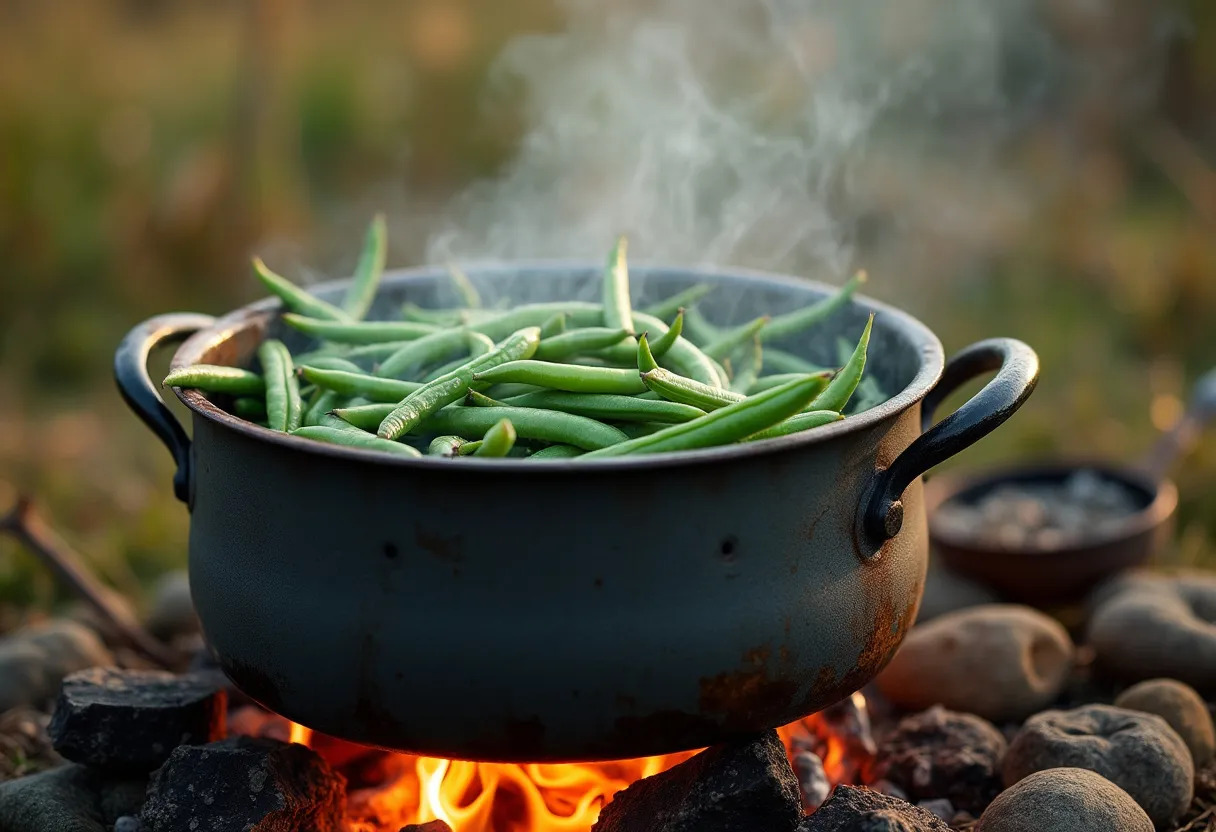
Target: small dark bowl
1044, 576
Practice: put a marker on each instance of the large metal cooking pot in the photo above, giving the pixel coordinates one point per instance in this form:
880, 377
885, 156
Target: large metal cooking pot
563, 610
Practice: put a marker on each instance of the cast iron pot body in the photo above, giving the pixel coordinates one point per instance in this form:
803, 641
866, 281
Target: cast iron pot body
558, 610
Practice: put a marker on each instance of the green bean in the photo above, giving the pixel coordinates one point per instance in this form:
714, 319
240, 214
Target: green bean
684, 357
869, 394
607, 406
498, 441
476, 399
318, 412
530, 423
362, 290
635, 429
447, 389
680, 300
783, 362
802, 319
354, 439
464, 287
769, 382
838, 393
536, 314
618, 314
359, 332
249, 409
555, 325
564, 377
428, 349
373, 352
677, 388
725, 345
323, 351
668, 339
216, 378
438, 317
698, 327
646, 361
294, 297
557, 452
578, 341
284, 410
329, 362
797, 424
471, 448
729, 424
448, 445
749, 370
360, 384
478, 345
506, 391
366, 417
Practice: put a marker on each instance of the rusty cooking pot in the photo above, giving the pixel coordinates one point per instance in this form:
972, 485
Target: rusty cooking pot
565, 610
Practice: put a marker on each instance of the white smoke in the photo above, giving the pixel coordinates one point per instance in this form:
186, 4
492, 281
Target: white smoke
773, 133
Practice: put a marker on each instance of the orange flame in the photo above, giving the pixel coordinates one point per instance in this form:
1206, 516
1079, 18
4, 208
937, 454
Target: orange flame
299, 734
532, 797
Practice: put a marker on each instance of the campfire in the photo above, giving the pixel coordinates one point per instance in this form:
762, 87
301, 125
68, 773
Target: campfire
511, 797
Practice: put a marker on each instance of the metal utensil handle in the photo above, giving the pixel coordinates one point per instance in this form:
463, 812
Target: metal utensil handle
1017, 368
141, 395
1179, 439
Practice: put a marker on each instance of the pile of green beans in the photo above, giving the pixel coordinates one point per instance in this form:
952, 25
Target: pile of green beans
562, 380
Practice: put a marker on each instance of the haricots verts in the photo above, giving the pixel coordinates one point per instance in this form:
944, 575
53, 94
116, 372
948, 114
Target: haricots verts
554, 380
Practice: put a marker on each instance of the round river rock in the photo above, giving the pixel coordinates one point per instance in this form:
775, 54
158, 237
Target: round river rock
1157, 626
1181, 707
998, 661
1138, 752
1064, 800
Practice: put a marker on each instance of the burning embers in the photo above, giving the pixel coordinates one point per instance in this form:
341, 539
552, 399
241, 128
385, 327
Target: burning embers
387, 790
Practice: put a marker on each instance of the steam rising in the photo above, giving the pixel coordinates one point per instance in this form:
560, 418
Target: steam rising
768, 133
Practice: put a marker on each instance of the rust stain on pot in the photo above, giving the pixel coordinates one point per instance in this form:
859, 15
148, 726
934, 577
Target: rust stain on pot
886, 634
745, 697
444, 548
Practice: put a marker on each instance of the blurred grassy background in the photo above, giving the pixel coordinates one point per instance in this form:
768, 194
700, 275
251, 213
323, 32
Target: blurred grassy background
147, 148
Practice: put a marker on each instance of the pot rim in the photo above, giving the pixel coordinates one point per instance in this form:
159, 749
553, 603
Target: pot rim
1154, 514
932, 362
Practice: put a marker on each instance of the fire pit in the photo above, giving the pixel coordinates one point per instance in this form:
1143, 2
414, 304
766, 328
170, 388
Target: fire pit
566, 610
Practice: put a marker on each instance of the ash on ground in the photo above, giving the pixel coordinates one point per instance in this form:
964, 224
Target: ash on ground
1043, 515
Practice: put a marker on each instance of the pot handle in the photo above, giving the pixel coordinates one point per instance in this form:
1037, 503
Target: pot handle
1017, 368
141, 395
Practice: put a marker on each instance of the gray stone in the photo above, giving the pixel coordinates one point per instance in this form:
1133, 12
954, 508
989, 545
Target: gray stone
851, 809
245, 785
1179, 705
943, 754
1137, 752
1001, 662
726, 788
127, 823
70, 798
133, 719
1064, 800
1157, 626
172, 612
34, 660
939, 806
947, 591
